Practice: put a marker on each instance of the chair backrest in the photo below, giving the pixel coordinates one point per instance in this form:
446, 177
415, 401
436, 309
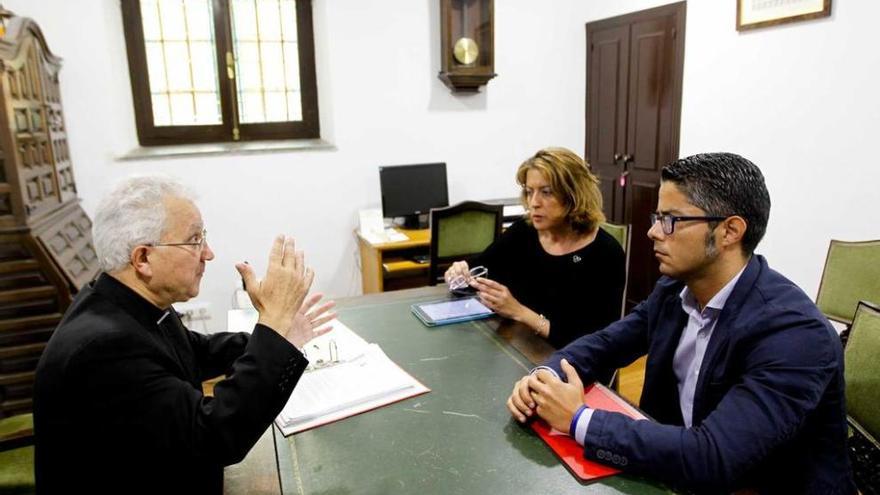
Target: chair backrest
851, 274
16, 431
460, 232
862, 375
862, 369
621, 233
17, 454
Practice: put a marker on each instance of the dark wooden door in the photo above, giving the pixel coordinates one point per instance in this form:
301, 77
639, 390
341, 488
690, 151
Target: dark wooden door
634, 74
606, 111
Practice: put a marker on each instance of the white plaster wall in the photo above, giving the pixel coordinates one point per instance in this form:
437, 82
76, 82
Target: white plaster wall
380, 103
795, 99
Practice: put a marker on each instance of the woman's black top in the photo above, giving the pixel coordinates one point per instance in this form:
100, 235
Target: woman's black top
579, 292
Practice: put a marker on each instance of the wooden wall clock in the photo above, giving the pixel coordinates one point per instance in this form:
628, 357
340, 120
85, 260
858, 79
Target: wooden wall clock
467, 38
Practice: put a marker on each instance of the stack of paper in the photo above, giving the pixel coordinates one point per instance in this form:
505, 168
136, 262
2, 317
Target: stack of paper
347, 376
516, 210
342, 342
383, 236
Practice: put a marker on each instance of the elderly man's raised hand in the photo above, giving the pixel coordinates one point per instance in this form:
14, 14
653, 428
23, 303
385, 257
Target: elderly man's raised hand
279, 296
309, 321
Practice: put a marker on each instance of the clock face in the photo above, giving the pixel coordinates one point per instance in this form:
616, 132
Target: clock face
466, 51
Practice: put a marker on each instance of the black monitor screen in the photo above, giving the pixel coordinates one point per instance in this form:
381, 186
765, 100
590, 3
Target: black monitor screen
412, 189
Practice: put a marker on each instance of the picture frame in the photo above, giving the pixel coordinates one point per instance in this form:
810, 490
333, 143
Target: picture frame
752, 14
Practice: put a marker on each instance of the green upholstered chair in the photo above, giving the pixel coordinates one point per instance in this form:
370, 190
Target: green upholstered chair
851, 274
862, 373
460, 232
17, 454
621, 233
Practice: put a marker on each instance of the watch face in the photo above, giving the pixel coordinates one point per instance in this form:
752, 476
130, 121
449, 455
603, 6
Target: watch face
466, 51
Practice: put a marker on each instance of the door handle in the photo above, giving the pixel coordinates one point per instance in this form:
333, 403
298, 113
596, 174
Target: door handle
617, 157
622, 180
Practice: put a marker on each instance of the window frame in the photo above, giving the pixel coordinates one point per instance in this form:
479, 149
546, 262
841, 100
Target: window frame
151, 135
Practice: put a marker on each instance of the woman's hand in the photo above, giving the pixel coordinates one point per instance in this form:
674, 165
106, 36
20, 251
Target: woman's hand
498, 298
458, 269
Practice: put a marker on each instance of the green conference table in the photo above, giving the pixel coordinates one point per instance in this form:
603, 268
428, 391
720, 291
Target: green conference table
458, 438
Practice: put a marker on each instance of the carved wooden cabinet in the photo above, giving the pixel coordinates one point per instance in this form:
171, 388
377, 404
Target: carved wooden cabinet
46, 249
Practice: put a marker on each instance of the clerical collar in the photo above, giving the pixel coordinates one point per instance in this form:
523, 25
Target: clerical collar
130, 301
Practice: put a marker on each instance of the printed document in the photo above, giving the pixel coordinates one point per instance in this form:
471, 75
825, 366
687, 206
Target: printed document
346, 376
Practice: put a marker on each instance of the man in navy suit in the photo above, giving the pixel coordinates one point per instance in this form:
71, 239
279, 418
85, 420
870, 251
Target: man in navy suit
744, 377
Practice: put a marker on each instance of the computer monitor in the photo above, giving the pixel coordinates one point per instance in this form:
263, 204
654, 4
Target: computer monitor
412, 190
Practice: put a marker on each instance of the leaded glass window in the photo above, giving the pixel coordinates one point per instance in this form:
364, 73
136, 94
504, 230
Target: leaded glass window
216, 70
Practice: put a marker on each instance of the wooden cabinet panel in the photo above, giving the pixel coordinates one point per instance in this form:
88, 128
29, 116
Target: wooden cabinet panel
68, 240
388, 266
46, 248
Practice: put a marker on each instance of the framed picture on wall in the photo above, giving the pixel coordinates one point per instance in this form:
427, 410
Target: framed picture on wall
751, 14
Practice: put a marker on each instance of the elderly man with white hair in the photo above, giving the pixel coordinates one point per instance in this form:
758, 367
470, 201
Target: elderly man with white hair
118, 403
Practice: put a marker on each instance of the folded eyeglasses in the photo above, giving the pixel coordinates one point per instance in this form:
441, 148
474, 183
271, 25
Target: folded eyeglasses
462, 282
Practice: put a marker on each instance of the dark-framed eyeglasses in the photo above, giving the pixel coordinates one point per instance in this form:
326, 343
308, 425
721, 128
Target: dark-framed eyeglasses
667, 221
198, 242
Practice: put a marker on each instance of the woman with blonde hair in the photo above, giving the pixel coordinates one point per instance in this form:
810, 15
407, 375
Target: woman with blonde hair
554, 270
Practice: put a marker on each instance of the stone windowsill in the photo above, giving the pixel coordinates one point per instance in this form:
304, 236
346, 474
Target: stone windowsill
241, 147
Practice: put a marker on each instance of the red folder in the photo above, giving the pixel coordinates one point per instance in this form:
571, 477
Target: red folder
596, 396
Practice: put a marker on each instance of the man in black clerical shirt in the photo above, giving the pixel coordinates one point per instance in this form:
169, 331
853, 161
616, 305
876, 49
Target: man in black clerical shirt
118, 403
